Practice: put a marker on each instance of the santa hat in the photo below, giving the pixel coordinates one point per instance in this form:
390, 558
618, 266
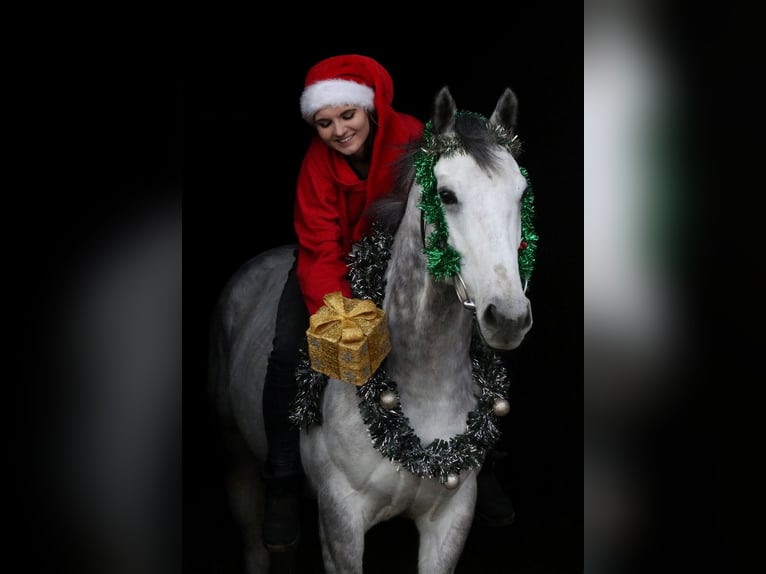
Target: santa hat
351, 80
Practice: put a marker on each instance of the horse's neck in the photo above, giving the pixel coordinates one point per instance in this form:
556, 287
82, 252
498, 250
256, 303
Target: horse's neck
430, 332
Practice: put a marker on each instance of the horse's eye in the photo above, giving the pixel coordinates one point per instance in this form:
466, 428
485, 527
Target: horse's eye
447, 196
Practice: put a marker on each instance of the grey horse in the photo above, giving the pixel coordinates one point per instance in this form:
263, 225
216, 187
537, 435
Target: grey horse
468, 243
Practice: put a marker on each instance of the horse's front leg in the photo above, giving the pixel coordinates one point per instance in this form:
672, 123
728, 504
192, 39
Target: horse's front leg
341, 533
443, 531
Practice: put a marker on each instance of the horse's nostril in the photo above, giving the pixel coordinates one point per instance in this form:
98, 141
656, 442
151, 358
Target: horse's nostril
490, 315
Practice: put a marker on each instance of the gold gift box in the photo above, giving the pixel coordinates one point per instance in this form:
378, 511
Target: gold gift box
347, 338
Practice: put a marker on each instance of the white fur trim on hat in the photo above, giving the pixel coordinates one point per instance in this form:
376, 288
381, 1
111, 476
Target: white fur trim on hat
334, 93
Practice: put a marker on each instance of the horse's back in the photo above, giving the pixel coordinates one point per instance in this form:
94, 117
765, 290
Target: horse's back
242, 334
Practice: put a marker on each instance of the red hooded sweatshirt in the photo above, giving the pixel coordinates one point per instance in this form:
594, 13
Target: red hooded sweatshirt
331, 200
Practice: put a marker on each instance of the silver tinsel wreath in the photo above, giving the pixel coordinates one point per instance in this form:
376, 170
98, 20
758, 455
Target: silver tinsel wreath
389, 429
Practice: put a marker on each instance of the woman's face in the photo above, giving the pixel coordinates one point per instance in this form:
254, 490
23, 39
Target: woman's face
343, 128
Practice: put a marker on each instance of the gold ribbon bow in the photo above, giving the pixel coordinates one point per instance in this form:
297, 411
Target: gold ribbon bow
340, 316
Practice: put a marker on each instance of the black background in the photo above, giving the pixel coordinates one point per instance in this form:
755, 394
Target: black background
243, 143
114, 113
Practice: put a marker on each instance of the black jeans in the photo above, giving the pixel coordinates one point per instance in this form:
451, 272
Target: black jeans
283, 458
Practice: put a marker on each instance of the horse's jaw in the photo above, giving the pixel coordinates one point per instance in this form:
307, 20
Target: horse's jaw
424, 312
429, 336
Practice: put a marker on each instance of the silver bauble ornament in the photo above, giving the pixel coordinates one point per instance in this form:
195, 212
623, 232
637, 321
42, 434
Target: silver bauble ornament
501, 407
452, 481
388, 399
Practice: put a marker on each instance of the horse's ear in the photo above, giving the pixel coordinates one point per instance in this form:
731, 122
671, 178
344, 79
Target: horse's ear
444, 112
505, 111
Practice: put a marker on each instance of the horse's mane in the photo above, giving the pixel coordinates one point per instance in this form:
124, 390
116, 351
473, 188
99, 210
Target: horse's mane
478, 141
388, 211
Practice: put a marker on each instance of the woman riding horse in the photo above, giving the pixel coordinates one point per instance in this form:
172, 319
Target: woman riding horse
348, 166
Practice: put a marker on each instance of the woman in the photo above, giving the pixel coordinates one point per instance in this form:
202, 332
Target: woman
348, 166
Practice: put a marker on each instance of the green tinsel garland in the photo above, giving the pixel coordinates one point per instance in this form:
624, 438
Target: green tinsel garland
443, 259
390, 431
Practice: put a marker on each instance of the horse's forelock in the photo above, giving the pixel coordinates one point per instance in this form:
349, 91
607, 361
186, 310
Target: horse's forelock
478, 140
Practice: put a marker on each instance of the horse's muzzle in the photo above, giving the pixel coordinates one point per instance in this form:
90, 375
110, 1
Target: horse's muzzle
503, 329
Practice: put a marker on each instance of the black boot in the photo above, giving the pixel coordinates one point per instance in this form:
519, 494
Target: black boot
282, 520
493, 505
283, 476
